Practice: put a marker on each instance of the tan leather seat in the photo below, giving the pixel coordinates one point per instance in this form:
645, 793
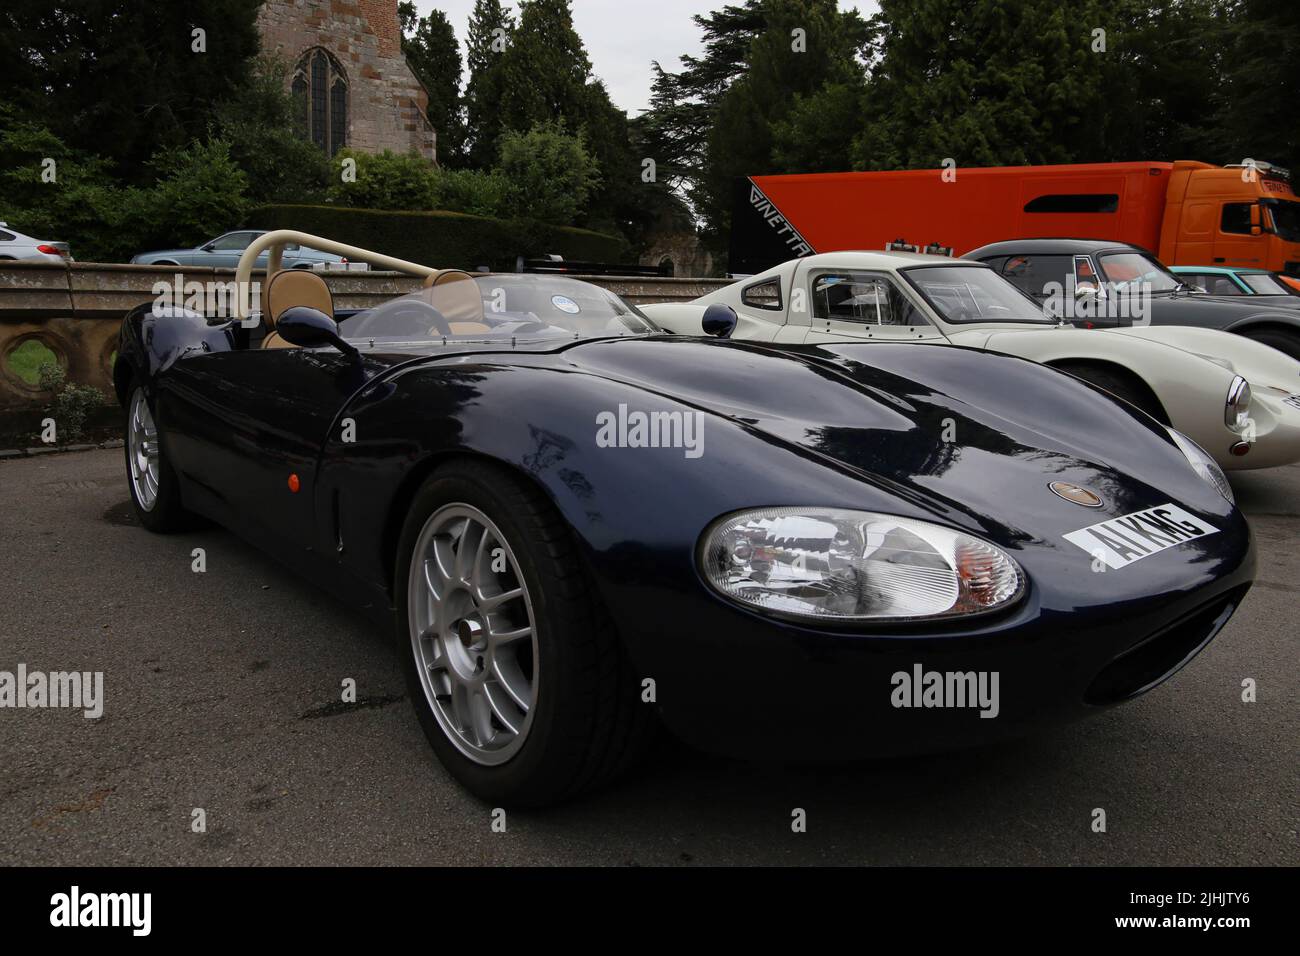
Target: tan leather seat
289, 288
456, 295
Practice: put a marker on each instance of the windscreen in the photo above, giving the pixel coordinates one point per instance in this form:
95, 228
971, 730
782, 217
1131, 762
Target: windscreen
460, 307
974, 294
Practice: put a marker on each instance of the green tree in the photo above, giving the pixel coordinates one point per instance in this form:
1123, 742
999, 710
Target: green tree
675, 129
433, 54
490, 28
122, 78
1255, 112
550, 173
816, 136
545, 69
804, 45
268, 140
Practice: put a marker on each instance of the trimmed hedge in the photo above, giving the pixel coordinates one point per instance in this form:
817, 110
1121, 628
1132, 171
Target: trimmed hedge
442, 239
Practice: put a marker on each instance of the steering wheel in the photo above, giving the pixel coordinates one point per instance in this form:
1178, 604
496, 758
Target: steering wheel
407, 318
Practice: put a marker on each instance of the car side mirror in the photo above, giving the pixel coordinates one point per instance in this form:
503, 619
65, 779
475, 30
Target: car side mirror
311, 328
719, 321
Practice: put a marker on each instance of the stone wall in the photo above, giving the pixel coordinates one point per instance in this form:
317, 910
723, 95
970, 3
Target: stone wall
683, 249
75, 311
386, 103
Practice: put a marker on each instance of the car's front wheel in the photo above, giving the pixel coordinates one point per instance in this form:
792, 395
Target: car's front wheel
515, 672
155, 495
1285, 342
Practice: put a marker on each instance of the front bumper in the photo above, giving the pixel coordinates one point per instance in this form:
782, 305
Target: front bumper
731, 682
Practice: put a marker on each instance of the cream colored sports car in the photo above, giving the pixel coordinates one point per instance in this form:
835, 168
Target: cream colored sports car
1237, 399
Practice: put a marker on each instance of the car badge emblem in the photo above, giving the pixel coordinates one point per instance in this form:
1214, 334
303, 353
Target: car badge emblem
1076, 494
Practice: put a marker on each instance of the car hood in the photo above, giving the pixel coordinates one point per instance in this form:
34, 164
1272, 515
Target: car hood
1187, 306
973, 437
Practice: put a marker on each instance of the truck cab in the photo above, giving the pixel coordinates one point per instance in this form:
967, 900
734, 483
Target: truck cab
1243, 215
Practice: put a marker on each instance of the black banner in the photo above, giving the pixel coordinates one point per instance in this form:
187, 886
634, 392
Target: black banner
341, 905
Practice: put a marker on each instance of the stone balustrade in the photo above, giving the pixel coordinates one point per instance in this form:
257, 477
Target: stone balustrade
75, 310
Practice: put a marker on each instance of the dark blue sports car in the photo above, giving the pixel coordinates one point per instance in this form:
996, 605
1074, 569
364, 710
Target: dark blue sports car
582, 528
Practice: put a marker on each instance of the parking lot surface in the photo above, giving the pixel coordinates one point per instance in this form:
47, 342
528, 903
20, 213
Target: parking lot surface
222, 695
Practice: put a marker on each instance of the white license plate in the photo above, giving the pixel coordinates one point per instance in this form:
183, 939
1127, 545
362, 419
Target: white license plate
1121, 541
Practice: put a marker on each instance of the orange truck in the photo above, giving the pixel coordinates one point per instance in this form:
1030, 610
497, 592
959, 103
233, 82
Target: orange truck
1187, 213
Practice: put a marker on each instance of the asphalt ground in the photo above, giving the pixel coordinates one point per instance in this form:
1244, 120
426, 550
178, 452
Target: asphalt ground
222, 694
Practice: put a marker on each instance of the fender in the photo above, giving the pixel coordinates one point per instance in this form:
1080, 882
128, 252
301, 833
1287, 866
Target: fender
1283, 319
150, 343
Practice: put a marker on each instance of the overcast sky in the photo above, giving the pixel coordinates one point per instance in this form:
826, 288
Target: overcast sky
623, 36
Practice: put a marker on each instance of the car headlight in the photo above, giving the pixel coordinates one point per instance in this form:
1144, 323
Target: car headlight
833, 565
1236, 411
1203, 464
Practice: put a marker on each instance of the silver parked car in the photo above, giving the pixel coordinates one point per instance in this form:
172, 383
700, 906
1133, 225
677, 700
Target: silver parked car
14, 245
224, 251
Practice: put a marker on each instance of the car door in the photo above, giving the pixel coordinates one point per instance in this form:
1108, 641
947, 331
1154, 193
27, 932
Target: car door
246, 428
861, 304
761, 314
1240, 240
223, 252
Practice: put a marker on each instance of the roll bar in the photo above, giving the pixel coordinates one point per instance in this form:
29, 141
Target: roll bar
276, 241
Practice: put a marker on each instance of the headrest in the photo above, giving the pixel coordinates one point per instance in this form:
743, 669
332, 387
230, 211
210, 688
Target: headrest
455, 294
291, 287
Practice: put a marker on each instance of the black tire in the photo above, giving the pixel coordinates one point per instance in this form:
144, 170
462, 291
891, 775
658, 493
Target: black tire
1131, 389
589, 724
167, 516
1288, 343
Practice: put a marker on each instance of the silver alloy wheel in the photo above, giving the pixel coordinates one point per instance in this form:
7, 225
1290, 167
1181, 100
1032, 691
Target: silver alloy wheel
473, 634
142, 452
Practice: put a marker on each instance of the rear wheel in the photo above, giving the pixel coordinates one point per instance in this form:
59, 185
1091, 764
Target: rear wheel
155, 494
1286, 342
518, 679
1130, 388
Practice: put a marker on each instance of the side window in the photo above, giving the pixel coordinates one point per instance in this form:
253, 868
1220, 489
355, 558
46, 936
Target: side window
1198, 279
1236, 218
1221, 285
6, 236
861, 298
1085, 276
232, 242
1033, 273
763, 295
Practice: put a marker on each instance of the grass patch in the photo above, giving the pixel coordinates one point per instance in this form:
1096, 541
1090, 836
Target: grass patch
26, 361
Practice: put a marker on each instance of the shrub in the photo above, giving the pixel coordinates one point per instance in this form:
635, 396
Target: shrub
268, 139
201, 192
473, 191
384, 180
443, 239
551, 174
72, 403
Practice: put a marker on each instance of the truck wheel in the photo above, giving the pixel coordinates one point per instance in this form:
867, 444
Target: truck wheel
1286, 342
1130, 388
515, 672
